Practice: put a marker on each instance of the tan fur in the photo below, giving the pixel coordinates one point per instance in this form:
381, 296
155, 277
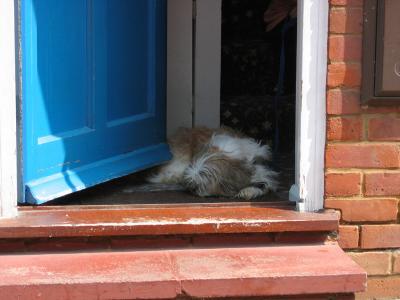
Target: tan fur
186, 142
206, 170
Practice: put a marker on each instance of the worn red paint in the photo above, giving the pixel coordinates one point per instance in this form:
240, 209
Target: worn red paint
162, 221
223, 272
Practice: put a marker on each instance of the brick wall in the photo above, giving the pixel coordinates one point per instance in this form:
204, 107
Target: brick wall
362, 159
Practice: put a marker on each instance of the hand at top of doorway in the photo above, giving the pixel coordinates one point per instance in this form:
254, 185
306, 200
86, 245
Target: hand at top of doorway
278, 11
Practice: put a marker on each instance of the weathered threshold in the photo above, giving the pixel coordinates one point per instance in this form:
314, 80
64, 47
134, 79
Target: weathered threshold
165, 220
166, 274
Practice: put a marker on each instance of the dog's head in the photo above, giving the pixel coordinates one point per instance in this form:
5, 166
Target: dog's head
213, 173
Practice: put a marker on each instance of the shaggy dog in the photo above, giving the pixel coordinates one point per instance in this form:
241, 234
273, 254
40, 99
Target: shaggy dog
220, 162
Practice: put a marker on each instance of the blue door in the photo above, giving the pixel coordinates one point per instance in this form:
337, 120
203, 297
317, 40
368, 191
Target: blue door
93, 92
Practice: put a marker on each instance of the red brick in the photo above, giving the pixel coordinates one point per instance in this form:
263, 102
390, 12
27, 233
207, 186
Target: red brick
375, 263
344, 74
341, 101
380, 109
384, 129
382, 184
345, 48
380, 236
396, 262
381, 288
347, 2
338, 184
362, 156
344, 129
348, 236
365, 210
346, 20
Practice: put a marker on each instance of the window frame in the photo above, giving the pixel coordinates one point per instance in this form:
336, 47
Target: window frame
372, 9
308, 190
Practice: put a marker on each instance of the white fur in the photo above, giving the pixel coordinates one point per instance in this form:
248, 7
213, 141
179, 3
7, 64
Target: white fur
170, 173
193, 171
250, 192
262, 174
240, 148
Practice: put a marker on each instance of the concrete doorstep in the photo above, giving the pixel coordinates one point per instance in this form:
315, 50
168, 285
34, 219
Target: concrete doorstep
166, 274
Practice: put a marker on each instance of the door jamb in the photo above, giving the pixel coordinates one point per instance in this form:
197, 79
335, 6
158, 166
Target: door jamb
312, 37
207, 63
179, 65
194, 64
9, 177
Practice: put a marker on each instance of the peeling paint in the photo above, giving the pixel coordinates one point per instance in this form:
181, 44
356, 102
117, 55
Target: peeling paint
192, 221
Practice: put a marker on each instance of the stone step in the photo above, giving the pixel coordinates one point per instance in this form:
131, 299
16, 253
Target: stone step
167, 274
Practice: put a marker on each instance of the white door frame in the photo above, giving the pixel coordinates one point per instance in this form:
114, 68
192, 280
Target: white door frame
8, 112
312, 41
308, 189
179, 65
207, 63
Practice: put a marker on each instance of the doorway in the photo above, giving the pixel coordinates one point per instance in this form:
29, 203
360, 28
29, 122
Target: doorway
311, 57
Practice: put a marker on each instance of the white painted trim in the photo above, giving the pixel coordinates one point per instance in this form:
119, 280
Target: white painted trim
8, 113
312, 36
207, 63
179, 65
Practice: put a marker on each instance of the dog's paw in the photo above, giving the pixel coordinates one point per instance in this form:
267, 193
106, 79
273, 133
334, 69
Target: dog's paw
250, 192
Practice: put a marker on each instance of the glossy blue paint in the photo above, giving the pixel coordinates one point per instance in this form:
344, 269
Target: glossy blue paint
93, 92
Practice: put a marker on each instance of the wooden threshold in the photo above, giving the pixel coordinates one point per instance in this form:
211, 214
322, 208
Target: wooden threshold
163, 220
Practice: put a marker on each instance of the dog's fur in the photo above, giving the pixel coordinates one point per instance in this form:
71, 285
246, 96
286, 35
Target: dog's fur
219, 162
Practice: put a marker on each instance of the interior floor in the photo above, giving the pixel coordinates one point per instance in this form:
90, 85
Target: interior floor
133, 189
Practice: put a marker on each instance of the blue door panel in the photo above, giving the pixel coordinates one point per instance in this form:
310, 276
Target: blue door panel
55, 72
93, 92
125, 53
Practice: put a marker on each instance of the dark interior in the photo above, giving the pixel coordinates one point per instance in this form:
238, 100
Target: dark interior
253, 100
